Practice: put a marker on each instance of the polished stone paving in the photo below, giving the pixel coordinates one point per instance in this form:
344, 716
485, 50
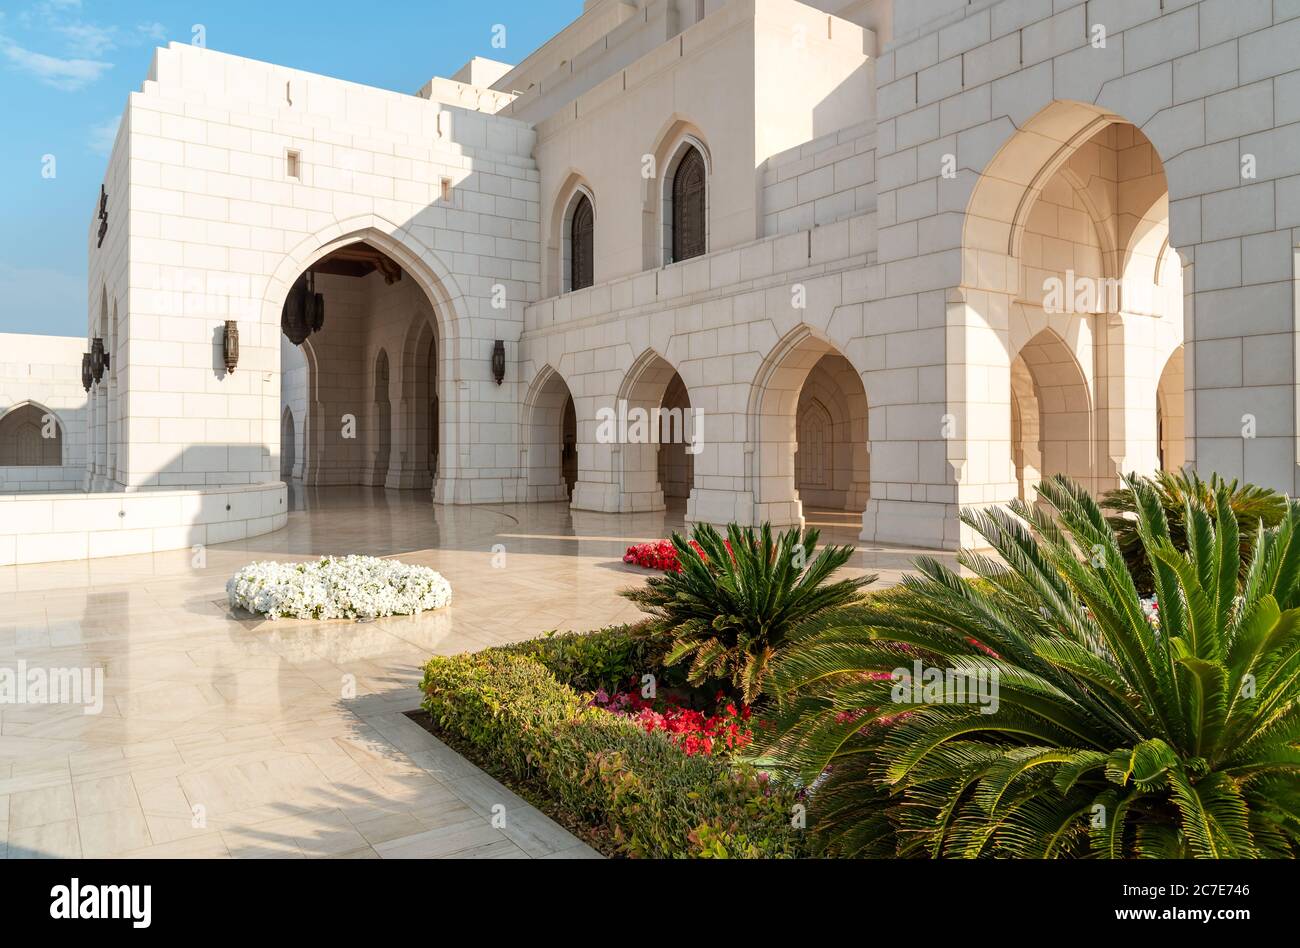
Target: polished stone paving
223, 735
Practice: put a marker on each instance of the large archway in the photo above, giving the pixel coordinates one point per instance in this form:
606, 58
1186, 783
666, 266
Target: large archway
347, 311
810, 420
1071, 302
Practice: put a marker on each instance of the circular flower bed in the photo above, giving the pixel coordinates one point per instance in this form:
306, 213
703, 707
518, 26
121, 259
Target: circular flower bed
349, 587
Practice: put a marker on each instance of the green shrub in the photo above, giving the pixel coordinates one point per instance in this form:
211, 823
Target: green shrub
634, 788
1115, 734
607, 658
1251, 506
730, 609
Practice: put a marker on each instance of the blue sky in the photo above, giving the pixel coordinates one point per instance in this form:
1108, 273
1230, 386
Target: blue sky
67, 66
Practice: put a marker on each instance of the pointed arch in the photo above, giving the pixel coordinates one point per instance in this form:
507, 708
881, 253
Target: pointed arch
381, 421
670, 440
779, 391
560, 258
419, 431
549, 422
677, 142
31, 435
1053, 401
288, 443
1171, 413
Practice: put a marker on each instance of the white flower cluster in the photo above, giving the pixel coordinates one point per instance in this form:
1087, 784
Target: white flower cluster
349, 587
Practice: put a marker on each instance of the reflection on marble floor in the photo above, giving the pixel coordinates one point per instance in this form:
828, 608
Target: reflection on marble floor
224, 735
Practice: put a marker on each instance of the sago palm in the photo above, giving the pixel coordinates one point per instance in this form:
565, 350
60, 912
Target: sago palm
1251, 504
734, 602
1114, 734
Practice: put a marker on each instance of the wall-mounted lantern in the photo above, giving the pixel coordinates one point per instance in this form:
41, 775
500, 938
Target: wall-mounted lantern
499, 361
230, 345
304, 310
87, 378
97, 361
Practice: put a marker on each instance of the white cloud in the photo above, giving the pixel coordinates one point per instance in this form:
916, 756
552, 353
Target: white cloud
70, 75
103, 136
87, 39
152, 32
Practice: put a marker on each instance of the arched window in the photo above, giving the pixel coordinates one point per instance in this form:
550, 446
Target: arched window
30, 436
582, 271
689, 224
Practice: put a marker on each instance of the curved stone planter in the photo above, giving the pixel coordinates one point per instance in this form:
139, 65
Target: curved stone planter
46, 528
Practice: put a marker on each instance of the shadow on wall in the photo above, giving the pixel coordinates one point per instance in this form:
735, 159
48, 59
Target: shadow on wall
851, 102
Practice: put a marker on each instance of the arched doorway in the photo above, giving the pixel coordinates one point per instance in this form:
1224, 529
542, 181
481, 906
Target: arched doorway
288, 446
381, 422
833, 467
809, 415
1052, 420
657, 433
1170, 414
676, 458
419, 421
551, 433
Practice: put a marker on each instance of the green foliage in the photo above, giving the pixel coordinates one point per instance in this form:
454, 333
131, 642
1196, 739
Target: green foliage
1114, 736
607, 658
731, 609
635, 788
1251, 506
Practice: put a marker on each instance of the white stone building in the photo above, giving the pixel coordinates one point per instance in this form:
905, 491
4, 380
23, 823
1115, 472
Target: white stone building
892, 258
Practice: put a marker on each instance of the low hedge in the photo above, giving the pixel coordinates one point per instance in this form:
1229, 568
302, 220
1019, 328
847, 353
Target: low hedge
634, 789
607, 658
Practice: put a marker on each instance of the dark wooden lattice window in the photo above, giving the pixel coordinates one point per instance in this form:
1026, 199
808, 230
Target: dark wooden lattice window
23, 441
582, 245
689, 226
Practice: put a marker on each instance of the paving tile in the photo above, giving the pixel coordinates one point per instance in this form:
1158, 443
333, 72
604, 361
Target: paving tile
30, 808
473, 833
49, 841
104, 794
113, 833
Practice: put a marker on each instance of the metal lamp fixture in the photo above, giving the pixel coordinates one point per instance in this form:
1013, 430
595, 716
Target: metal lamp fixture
87, 378
304, 310
97, 360
499, 361
230, 345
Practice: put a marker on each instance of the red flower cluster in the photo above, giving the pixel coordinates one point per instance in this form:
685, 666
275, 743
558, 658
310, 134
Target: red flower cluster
728, 728
660, 555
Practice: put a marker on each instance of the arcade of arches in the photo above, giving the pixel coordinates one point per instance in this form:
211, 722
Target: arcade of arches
1089, 318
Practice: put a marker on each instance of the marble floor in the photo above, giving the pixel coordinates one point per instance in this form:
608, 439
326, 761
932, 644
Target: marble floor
222, 735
